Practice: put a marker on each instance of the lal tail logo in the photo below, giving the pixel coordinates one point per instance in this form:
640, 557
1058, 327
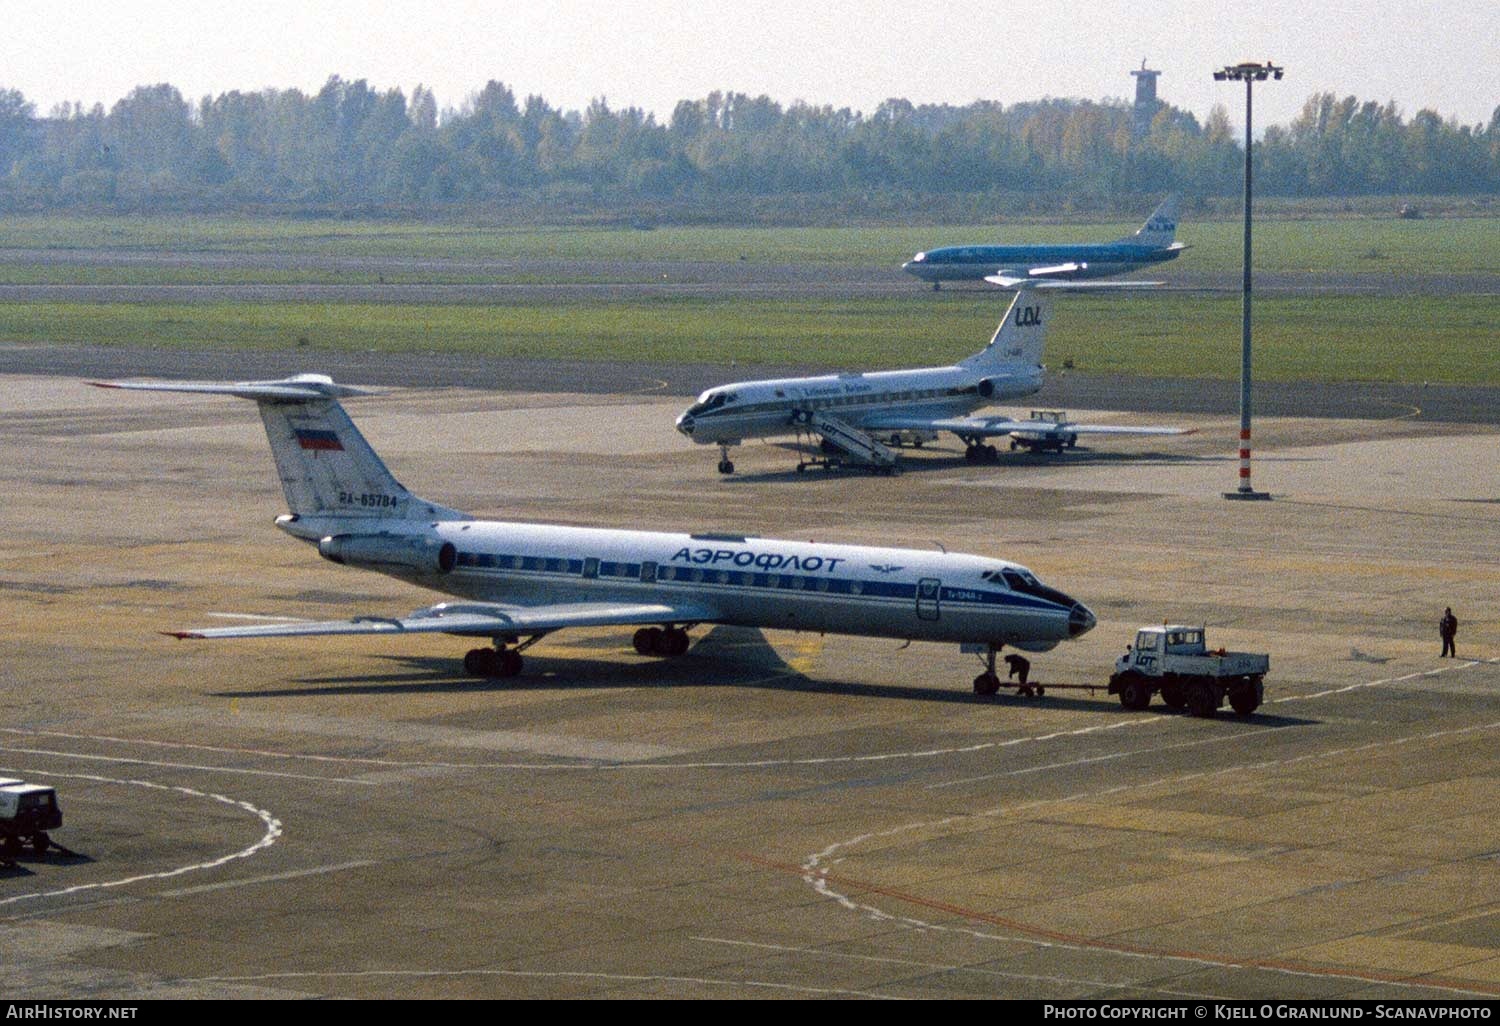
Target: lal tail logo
1028, 316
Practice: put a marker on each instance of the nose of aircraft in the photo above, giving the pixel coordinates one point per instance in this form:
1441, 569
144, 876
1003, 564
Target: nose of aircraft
1081, 620
685, 424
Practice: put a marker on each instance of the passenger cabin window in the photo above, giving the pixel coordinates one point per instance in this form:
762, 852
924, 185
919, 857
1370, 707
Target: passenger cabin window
648, 572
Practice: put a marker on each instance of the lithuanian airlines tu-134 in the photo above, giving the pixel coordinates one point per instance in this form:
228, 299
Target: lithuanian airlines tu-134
518, 582
856, 415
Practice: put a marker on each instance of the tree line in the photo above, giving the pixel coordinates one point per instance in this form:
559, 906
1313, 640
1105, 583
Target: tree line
353, 147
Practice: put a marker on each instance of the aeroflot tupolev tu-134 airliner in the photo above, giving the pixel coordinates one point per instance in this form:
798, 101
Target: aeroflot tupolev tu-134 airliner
519, 582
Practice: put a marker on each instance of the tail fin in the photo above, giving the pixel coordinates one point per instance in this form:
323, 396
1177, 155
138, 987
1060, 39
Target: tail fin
1020, 336
1160, 228
327, 468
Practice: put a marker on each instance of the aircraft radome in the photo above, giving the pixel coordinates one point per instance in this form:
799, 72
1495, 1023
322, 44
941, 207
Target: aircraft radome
518, 582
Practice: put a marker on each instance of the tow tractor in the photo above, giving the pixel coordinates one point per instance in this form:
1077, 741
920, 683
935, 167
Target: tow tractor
27, 812
1176, 662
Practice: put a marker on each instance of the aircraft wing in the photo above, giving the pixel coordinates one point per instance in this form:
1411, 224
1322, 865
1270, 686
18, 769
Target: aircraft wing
1056, 271
991, 426
1106, 429
1009, 280
477, 619
988, 427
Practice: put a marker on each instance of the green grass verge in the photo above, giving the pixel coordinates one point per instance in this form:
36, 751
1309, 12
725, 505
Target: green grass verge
1406, 249
1401, 338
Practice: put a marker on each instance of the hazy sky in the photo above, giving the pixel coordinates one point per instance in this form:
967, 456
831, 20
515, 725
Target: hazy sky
652, 53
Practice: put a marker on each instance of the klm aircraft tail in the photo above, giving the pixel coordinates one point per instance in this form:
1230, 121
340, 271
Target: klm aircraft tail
1160, 228
327, 468
1019, 339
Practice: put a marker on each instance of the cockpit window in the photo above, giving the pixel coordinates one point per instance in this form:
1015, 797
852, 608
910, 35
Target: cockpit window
1025, 583
710, 401
1020, 580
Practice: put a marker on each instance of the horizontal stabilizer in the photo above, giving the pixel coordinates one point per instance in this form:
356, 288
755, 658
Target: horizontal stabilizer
299, 386
476, 619
333, 480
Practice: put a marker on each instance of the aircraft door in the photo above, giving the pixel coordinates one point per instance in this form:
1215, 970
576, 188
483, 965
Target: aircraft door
928, 591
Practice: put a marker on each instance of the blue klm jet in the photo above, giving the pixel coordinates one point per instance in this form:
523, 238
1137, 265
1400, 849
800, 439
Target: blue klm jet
1009, 266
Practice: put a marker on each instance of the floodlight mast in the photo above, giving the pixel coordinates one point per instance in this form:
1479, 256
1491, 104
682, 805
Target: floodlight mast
1248, 72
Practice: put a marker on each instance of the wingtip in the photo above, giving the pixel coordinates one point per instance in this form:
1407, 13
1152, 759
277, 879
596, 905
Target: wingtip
182, 635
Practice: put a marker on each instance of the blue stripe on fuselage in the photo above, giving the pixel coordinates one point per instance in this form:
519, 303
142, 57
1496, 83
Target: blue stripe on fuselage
803, 584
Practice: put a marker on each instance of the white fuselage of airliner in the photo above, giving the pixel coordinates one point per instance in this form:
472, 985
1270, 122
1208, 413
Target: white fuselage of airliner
520, 580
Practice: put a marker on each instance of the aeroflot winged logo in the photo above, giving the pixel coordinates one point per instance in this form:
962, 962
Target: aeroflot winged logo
886, 568
318, 440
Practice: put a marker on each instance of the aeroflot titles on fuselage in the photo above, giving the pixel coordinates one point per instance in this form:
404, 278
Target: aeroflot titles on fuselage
761, 560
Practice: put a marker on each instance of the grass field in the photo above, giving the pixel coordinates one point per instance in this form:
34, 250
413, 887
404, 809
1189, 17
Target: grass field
1396, 338
1381, 246
1387, 337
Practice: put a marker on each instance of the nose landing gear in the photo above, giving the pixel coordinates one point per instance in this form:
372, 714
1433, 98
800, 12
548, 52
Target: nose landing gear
988, 682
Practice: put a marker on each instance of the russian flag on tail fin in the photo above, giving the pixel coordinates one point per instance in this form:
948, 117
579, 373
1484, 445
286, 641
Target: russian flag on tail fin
319, 441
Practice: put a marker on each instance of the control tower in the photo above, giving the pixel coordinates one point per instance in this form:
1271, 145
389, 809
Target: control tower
1146, 102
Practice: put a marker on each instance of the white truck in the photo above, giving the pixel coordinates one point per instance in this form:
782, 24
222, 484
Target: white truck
27, 812
1049, 439
1176, 662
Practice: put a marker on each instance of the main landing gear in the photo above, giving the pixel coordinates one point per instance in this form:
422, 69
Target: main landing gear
661, 641
504, 660
493, 662
500, 661
977, 453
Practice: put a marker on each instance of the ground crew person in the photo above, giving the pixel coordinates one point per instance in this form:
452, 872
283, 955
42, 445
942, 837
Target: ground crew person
1020, 666
1448, 628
